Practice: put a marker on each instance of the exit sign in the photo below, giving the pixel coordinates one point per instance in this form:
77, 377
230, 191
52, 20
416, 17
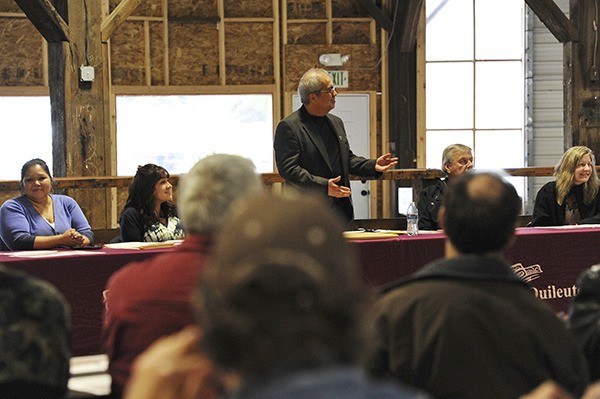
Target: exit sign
339, 78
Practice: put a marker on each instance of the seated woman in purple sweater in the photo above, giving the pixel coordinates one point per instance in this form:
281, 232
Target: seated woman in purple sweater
40, 220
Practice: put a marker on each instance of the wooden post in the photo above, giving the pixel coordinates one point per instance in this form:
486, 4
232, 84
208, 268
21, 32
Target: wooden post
79, 107
582, 79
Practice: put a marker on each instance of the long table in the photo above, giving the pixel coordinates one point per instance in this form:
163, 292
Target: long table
80, 277
549, 259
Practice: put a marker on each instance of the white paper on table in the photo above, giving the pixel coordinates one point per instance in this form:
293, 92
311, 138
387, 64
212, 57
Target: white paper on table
98, 385
570, 226
92, 364
89, 374
50, 254
140, 245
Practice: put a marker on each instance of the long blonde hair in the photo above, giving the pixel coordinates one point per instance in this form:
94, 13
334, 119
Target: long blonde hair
565, 172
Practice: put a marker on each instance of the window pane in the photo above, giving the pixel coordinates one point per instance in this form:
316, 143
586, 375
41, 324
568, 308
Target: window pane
498, 29
176, 131
24, 137
499, 94
449, 95
440, 139
499, 149
449, 32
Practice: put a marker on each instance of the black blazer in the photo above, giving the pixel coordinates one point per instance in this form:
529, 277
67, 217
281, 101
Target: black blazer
430, 201
547, 212
302, 159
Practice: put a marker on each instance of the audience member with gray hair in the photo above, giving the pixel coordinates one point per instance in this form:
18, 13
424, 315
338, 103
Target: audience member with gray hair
146, 300
280, 310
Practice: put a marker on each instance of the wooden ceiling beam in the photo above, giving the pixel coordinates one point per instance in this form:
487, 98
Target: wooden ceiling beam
408, 38
555, 20
117, 17
377, 13
44, 16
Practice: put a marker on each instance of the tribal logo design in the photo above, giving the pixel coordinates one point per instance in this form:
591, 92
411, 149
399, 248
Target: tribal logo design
529, 273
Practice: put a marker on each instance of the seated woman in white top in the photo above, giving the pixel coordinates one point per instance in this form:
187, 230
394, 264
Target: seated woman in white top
150, 214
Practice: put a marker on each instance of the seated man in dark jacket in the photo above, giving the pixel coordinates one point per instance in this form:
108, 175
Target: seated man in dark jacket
456, 160
466, 326
584, 318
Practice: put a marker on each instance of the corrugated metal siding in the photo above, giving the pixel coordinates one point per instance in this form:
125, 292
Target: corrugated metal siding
546, 102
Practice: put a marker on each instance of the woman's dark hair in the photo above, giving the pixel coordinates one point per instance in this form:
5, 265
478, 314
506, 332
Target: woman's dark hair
141, 194
29, 164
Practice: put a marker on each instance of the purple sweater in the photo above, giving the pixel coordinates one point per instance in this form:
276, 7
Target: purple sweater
20, 222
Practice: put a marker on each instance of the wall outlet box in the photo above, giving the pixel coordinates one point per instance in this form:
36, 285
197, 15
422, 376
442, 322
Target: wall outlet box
86, 73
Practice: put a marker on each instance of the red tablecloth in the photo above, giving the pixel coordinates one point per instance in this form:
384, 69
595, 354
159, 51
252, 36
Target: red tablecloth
550, 259
81, 279
560, 255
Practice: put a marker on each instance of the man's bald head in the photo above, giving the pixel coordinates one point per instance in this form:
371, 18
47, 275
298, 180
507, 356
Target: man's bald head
480, 213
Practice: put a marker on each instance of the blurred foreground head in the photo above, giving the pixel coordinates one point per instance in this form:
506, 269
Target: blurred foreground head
35, 338
210, 187
480, 213
283, 292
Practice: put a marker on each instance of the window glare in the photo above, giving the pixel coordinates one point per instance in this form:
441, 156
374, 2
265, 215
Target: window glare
484, 107
449, 95
26, 137
498, 29
499, 149
499, 94
448, 36
176, 131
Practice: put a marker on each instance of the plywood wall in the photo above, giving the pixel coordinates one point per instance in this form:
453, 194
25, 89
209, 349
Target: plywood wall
211, 42
174, 45
21, 49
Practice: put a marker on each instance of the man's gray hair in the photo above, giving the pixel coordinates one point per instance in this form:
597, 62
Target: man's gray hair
207, 191
311, 81
450, 151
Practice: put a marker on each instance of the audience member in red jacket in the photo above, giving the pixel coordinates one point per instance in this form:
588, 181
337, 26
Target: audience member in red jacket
149, 299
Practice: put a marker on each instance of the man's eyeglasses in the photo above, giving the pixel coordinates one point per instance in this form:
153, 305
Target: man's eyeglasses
464, 161
328, 90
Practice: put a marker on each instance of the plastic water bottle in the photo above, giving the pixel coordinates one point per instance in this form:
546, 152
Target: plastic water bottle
412, 220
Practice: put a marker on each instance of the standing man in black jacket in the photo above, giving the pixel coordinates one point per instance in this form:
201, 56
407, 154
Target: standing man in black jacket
312, 150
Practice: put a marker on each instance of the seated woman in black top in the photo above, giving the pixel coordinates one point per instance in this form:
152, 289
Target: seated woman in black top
150, 214
573, 197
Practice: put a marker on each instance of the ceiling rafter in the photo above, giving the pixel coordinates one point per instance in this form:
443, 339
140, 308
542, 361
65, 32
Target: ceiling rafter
117, 17
408, 38
563, 29
377, 13
44, 16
